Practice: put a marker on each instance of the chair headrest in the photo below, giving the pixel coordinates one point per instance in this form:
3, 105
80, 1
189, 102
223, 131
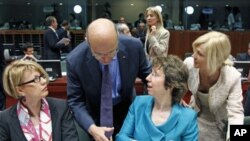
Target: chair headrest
6, 54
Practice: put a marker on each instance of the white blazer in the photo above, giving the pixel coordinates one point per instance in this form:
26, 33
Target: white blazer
158, 43
225, 97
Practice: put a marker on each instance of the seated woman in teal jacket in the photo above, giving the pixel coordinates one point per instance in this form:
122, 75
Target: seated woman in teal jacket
159, 116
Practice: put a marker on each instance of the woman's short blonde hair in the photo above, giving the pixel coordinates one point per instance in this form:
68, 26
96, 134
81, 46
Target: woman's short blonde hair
217, 49
176, 75
156, 11
14, 72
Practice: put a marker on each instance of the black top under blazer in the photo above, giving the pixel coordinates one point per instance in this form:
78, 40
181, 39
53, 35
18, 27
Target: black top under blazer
63, 127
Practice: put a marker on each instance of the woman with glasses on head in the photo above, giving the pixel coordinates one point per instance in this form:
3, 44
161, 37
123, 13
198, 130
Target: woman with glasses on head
34, 117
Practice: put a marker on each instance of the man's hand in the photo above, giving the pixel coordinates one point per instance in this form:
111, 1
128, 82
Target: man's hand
99, 132
67, 41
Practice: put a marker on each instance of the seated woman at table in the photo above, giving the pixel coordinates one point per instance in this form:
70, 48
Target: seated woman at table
34, 117
159, 116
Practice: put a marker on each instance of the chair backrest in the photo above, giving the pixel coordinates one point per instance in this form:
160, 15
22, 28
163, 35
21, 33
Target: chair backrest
188, 54
247, 120
6, 54
83, 136
10, 47
241, 56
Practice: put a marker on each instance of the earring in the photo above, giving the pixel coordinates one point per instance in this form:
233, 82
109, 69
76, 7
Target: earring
23, 98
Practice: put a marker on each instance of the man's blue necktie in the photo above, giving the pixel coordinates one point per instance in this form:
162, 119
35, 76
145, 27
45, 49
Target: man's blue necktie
106, 101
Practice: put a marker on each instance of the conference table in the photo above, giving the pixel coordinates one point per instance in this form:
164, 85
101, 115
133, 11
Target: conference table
58, 89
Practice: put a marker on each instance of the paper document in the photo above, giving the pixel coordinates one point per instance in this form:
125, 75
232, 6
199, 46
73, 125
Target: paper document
64, 41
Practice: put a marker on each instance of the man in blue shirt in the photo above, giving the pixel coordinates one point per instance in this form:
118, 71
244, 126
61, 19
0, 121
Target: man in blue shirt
126, 59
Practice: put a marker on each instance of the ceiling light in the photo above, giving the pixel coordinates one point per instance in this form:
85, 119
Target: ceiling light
77, 9
189, 10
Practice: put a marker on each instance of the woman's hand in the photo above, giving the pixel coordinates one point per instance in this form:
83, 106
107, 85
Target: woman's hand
183, 103
153, 30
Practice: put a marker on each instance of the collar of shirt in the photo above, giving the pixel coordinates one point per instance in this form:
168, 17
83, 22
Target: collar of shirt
116, 78
111, 63
52, 29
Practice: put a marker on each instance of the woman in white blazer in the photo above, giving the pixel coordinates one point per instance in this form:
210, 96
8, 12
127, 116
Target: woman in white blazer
157, 38
215, 85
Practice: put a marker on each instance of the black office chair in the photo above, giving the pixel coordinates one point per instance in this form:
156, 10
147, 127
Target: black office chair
82, 135
247, 103
239, 56
6, 54
9, 52
247, 120
188, 54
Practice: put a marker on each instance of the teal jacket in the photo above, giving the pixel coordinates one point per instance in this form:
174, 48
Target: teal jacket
182, 124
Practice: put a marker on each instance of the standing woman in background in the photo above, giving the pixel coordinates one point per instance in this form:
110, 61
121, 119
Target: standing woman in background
157, 38
215, 85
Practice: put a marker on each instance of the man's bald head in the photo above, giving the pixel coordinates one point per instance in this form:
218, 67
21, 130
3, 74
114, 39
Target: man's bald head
101, 28
103, 38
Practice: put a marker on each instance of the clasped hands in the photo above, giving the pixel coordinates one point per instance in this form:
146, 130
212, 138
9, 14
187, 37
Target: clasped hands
28, 57
153, 30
